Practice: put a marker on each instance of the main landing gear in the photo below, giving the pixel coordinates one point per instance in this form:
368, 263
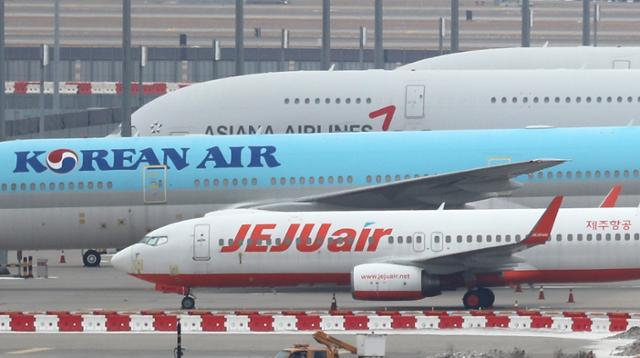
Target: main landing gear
189, 300
478, 298
91, 258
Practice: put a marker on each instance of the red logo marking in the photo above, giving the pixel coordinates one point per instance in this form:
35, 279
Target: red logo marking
388, 113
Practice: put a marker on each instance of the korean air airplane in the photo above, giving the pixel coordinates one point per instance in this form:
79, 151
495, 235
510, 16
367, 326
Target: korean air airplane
376, 100
109, 192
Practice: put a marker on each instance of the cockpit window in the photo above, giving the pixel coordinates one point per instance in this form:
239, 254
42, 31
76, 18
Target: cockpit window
154, 240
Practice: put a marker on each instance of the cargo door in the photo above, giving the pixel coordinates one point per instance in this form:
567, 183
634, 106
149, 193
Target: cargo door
414, 102
201, 243
154, 180
437, 241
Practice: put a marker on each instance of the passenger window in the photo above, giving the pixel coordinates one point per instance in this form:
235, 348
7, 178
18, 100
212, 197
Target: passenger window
493, 100
378, 178
283, 181
459, 238
517, 238
579, 236
399, 239
286, 101
589, 237
196, 183
52, 186
627, 237
301, 180
578, 99
488, 238
33, 186
608, 237
216, 182
507, 238
292, 181
618, 237
391, 239
23, 186
337, 100
80, 185
368, 178
409, 239
479, 238
358, 100
387, 178
578, 174
61, 186
546, 100
340, 179
587, 174
312, 180
448, 239
419, 239
469, 238
234, 181
503, 100
570, 237
254, 181
206, 183
330, 179
221, 242
320, 180
598, 237
558, 237
225, 182
349, 179
100, 185
245, 181
4, 187
317, 100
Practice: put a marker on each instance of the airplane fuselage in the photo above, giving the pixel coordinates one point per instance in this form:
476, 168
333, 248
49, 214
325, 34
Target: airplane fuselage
375, 100
258, 249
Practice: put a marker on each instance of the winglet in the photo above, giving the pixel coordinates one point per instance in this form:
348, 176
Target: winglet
542, 230
611, 198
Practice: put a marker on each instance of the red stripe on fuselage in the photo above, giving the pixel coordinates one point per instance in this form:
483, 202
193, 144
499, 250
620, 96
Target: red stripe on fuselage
344, 279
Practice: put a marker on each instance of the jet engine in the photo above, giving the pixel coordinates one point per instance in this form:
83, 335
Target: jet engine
392, 282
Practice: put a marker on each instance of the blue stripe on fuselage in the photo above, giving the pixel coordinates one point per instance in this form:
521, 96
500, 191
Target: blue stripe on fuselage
356, 154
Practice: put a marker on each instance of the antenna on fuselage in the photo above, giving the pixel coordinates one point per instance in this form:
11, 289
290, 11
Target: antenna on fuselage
441, 207
332, 67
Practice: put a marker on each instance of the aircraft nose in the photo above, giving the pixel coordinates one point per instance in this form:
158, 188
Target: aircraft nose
121, 260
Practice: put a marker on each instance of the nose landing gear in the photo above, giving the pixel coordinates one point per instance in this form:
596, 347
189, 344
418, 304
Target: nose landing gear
480, 297
189, 300
188, 303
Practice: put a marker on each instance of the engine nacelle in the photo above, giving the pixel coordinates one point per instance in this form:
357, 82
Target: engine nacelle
392, 282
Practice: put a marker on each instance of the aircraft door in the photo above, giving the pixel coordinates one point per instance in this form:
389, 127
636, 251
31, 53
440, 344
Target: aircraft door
418, 242
201, 243
437, 241
154, 180
414, 101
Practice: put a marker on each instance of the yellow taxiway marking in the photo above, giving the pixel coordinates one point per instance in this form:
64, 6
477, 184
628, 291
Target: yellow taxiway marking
31, 350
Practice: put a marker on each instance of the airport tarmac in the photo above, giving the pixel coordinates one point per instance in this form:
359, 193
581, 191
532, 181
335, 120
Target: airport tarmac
72, 287
265, 345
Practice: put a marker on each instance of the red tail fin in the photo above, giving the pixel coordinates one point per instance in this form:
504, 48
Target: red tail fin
542, 230
611, 198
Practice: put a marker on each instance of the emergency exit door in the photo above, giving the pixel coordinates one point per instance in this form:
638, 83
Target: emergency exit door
201, 243
437, 241
414, 101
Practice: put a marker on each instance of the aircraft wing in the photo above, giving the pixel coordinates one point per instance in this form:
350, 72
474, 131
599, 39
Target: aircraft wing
427, 192
492, 258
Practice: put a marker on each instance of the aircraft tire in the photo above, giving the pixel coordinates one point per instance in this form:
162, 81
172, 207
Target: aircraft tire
487, 297
188, 303
472, 299
91, 258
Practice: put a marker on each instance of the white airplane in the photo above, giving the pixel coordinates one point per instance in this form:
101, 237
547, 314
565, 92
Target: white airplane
377, 100
523, 58
393, 255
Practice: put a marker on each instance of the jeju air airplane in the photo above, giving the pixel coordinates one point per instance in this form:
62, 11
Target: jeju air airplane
377, 100
392, 255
